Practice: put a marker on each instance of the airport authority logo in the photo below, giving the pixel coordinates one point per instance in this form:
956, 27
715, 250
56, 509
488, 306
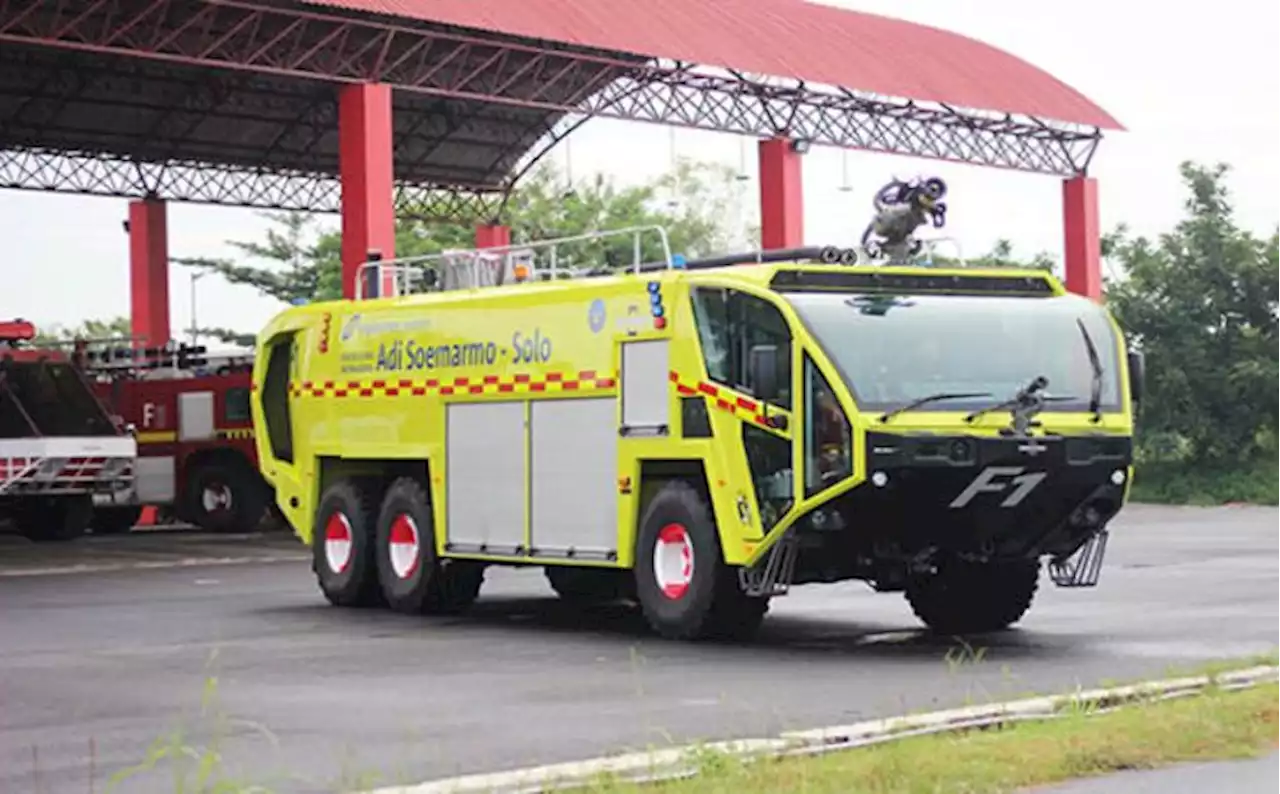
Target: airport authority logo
597, 315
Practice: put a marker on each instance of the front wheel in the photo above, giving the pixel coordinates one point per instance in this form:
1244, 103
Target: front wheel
972, 598
685, 589
54, 518
116, 520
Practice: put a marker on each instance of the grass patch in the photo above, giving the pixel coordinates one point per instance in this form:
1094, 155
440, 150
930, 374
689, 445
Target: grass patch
1179, 483
1214, 725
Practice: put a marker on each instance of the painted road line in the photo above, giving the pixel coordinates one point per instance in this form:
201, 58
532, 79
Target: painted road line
682, 761
186, 562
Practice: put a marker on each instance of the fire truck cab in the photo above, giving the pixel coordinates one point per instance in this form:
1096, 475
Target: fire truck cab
59, 449
189, 411
698, 436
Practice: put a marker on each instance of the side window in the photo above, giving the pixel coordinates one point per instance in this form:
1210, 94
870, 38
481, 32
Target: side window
236, 405
711, 313
729, 324
758, 322
275, 399
828, 437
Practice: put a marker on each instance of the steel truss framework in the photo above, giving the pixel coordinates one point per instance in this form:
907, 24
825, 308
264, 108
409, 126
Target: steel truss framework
335, 47
213, 183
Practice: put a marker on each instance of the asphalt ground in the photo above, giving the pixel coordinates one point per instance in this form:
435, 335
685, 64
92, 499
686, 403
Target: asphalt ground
108, 646
1253, 776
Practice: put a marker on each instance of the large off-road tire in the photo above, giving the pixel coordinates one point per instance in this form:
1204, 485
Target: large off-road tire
586, 586
225, 495
685, 589
342, 545
54, 518
413, 579
970, 598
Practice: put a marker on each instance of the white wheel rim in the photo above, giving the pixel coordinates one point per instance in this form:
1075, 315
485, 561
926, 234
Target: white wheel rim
404, 546
215, 498
337, 543
673, 561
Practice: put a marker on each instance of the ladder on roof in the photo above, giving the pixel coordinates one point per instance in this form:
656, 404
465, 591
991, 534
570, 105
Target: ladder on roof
541, 260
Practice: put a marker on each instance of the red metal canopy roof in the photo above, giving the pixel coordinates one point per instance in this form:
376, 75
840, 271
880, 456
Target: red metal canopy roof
780, 38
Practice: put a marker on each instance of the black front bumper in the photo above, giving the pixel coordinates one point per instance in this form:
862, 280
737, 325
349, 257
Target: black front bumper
995, 497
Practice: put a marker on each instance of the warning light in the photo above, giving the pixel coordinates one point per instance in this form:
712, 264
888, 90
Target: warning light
653, 287
521, 272
677, 261
17, 331
659, 322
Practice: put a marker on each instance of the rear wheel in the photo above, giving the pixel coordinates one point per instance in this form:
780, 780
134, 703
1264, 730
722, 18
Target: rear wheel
685, 589
413, 579
225, 496
116, 520
342, 546
54, 518
973, 598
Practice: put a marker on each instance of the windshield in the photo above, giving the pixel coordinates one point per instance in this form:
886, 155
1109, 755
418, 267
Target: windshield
894, 349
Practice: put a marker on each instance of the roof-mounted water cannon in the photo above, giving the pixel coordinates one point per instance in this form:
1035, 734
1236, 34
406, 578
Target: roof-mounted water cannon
901, 208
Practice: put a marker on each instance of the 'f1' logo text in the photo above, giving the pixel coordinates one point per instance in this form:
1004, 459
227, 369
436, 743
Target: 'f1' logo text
988, 481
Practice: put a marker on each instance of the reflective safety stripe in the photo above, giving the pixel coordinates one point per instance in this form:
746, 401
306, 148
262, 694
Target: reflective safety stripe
171, 436
745, 408
520, 383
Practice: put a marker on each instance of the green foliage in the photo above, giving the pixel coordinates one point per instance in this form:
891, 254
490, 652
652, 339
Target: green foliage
1200, 301
697, 204
1000, 255
1176, 482
114, 328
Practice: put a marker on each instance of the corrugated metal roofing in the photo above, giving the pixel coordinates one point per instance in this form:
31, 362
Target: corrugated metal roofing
781, 38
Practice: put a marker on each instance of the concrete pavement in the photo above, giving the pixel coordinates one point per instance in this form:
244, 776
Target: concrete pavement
94, 666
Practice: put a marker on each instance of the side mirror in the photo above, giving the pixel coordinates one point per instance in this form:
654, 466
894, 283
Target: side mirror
1137, 375
765, 370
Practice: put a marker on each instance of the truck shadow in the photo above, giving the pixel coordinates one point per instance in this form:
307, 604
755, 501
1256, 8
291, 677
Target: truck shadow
552, 621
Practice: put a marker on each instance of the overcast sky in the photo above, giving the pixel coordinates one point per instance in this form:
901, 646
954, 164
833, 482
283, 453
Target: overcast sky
1191, 82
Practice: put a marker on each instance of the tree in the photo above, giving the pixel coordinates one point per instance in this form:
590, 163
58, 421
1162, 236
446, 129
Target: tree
114, 328
1201, 302
700, 220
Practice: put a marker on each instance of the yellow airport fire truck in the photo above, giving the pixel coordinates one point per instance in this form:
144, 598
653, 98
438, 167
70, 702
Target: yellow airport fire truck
698, 436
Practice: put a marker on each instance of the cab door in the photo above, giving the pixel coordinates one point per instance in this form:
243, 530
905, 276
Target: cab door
741, 336
276, 452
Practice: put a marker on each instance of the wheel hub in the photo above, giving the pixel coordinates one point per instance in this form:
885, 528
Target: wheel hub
673, 561
337, 543
215, 498
404, 546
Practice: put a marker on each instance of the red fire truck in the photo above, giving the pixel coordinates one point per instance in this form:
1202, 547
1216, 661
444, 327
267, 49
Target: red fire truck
189, 411
59, 448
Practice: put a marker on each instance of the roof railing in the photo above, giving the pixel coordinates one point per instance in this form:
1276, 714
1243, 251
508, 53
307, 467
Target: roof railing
540, 260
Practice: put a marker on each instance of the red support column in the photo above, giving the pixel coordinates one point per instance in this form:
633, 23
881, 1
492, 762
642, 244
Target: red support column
492, 235
149, 272
781, 197
1082, 235
366, 170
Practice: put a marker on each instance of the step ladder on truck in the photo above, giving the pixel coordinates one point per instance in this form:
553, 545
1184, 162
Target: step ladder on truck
698, 436
59, 447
